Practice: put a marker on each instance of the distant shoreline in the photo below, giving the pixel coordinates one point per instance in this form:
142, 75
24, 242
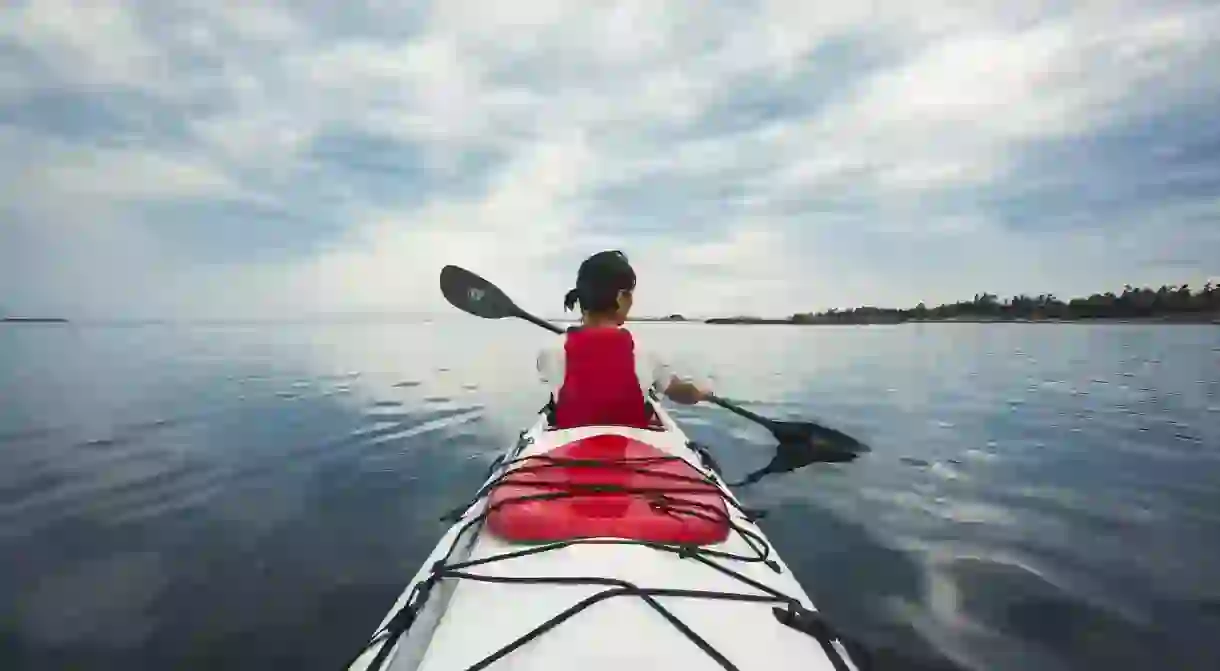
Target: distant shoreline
1166, 320
1165, 305
670, 318
33, 320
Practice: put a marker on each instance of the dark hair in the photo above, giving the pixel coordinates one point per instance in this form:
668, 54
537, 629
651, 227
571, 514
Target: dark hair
599, 280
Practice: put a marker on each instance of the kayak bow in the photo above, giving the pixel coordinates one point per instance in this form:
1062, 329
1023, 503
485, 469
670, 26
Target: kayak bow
604, 548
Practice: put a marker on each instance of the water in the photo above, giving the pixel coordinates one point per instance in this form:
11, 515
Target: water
256, 496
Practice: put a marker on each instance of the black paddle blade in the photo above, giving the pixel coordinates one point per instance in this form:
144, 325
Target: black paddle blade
829, 444
791, 456
788, 457
815, 442
470, 293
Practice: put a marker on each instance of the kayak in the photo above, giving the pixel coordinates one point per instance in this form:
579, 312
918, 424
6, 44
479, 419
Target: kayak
603, 548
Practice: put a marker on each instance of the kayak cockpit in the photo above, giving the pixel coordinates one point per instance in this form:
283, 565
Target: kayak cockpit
607, 485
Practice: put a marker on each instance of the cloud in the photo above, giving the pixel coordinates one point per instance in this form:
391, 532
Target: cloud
193, 158
128, 174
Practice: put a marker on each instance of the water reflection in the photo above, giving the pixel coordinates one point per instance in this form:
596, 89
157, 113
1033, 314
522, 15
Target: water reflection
253, 497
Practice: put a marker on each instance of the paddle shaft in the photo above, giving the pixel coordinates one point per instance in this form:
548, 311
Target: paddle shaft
539, 321
740, 411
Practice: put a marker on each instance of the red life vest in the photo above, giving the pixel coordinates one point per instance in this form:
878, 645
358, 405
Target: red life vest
600, 385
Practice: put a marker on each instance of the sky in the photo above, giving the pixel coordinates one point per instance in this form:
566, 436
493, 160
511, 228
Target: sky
174, 158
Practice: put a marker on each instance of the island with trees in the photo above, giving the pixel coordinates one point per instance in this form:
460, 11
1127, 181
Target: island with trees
7, 317
33, 320
1178, 304
13, 319
669, 318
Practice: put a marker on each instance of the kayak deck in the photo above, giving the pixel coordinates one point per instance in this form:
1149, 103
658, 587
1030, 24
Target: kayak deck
482, 601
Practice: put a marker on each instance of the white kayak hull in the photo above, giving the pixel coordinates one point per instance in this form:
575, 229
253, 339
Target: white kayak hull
486, 615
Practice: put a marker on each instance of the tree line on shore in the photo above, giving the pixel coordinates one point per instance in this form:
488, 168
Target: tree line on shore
1167, 302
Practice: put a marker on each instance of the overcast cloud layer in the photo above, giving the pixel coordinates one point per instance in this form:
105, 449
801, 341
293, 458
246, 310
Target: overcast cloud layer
174, 158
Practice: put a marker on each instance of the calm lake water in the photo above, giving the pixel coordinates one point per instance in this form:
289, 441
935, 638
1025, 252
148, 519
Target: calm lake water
256, 496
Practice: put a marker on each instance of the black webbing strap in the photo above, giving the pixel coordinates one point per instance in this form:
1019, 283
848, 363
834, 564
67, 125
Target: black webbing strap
809, 622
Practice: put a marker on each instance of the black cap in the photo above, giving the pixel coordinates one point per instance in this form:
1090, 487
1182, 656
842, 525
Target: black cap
599, 280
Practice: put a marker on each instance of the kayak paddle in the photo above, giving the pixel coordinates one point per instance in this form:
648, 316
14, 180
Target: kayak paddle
473, 294
805, 440
789, 457
832, 444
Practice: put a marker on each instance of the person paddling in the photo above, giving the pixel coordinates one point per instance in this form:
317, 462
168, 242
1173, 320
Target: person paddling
599, 373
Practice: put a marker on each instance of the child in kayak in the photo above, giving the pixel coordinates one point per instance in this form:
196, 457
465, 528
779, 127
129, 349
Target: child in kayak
599, 373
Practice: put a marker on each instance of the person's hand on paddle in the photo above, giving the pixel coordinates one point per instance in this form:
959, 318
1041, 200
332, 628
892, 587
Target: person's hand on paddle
685, 392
